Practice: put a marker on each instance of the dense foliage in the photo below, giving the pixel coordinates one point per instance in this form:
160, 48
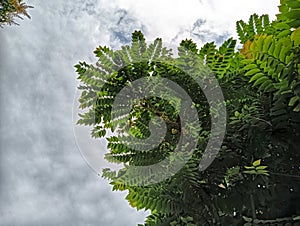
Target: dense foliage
255, 179
11, 9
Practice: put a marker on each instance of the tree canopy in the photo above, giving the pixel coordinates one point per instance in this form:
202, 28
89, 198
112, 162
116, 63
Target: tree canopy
11, 9
254, 179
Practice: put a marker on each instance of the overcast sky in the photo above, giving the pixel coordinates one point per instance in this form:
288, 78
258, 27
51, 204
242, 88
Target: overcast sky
43, 178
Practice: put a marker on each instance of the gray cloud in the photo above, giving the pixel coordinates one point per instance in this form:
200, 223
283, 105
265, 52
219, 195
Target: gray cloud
206, 35
122, 28
44, 180
202, 32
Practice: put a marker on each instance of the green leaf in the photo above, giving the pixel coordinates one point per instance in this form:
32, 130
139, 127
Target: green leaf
293, 100
252, 72
249, 167
294, 23
250, 66
257, 76
250, 172
281, 26
284, 33
248, 224
247, 61
297, 108
262, 172
295, 37
247, 219
297, 218
293, 14
260, 80
265, 85
261, 167
256, 163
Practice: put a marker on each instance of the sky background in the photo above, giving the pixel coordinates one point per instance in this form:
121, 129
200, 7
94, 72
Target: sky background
43, 178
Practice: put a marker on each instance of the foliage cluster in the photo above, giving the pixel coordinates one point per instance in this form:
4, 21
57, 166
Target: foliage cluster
255, 178
11, 9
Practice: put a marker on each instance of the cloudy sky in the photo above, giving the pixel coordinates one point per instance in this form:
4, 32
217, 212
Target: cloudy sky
43, 178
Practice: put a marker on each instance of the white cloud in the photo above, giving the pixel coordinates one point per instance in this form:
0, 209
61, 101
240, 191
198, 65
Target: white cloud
166, 18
